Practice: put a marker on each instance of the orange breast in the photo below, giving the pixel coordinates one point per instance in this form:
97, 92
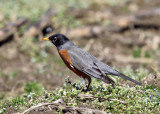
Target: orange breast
65, 57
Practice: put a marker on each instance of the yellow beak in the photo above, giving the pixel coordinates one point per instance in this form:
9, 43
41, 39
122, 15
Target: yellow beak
46, 39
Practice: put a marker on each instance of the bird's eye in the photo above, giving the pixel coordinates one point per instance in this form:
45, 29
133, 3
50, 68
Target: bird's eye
55, 38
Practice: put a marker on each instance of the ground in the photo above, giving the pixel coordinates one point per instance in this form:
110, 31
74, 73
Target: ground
31, 71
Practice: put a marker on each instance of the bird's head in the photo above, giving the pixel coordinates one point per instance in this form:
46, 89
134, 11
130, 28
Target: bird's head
57, 39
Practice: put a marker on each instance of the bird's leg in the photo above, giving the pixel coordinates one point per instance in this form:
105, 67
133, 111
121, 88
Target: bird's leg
89, 82
83, 84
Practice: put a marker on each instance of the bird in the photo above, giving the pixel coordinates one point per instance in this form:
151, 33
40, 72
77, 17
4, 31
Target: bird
83, 63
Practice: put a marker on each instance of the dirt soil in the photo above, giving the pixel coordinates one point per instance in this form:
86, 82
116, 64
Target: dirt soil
116, 49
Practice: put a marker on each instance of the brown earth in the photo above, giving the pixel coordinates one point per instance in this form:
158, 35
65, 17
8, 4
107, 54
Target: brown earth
115, 49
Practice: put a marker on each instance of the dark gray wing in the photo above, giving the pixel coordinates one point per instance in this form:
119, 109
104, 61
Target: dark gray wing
84, 62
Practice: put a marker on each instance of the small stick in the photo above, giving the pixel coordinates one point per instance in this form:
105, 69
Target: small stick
57, 102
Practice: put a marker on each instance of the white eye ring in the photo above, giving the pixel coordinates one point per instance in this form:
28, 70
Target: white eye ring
55, 38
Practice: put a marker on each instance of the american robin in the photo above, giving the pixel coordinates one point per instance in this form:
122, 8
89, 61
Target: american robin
82, 63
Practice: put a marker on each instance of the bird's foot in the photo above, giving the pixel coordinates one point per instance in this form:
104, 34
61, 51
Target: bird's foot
85, 90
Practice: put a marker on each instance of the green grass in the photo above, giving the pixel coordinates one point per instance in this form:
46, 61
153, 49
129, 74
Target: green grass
12, 10
147, 54
138, 99
25, 8
31, 87
137, 52
14, 103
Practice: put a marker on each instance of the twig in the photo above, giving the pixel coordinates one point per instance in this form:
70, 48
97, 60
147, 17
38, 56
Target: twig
57, 102
65, 109
76, 110
90, 96
8, 31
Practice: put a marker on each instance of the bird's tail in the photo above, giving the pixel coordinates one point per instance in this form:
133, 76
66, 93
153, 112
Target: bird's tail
126, 77
130, 79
